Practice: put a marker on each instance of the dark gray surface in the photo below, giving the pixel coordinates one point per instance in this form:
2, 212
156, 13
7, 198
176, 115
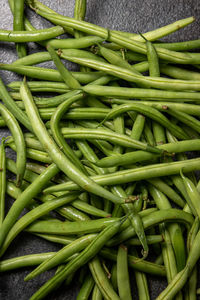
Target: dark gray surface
138, 15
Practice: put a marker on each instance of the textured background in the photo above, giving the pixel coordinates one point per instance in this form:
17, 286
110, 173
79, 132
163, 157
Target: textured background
133, 16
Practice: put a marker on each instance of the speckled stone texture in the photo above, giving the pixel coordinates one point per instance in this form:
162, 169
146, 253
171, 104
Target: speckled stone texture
127, 15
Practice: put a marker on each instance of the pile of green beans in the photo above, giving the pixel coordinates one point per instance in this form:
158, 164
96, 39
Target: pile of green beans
102, 166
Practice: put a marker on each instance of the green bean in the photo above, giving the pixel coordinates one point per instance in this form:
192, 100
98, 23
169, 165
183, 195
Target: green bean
2, 180
136, 174
115, 59
185, 118
89, 209
63, 240
33, 215
154, 69
86, 288
24, 261
122, 273
101, 280
87, 254
192, 192
19, 142
138, 127
54, 124
151, 35
141, 281
168, 215
13, 108
180, 279
35, 154
190, 109
34, 36
72, 214
180, 46
79, 133
78, 43
136, 263
159, 133
147, 111
175, 234
18, 24
70, 228
49, 74
119, 39
128, 75
151, 239
167, 190
65, 74
179, 73
147, 134
110, 91
41, 86
138, 156
96, 294
24, 199
67, 251
69, 169
168, 254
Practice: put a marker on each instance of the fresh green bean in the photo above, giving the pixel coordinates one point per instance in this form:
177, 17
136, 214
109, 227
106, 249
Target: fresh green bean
136, 263
154, 94
79, 133
136, 174
67, 251
86, 288
33, 36
24, 199
49, 74
2, 180
141, 281
122, 273
18, 24
66, 75
13, 108
69, 169
33, 215
96, 294
101, 280
18, 137
168, 215
192, 192
87, 254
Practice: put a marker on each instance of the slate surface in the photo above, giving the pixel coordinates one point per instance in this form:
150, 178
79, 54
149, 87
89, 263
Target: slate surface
133, 16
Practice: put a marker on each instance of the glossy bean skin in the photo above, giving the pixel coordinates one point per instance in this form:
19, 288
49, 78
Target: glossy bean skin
146, 81
192, 192
32, 216
87, 254
122, 273
153, 218
48, 74
13, 108
18, 24
34, 36
69, 169
18, 137
2, 180
105, 134
136, 263
101, 280
147, 111
65, 74
86, 288
60, 257
141, 173
25, 198
154, 94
